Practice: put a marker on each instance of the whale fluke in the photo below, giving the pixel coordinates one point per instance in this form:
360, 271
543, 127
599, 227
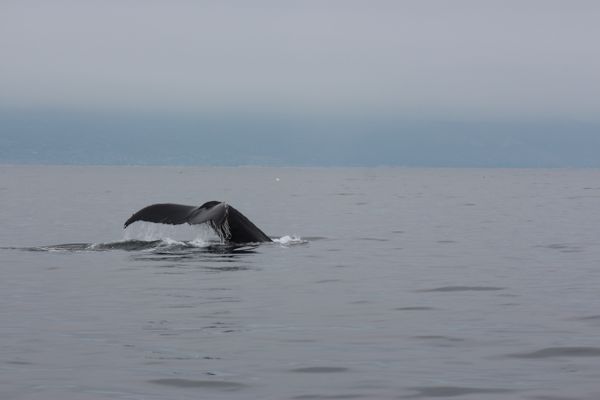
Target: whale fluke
230, 224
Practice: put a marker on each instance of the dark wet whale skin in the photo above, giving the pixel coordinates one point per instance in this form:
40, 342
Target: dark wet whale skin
230, 224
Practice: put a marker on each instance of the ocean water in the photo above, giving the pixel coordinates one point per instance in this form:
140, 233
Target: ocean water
384, 283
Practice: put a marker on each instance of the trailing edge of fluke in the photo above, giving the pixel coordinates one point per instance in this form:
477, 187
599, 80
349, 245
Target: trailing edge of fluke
227, 222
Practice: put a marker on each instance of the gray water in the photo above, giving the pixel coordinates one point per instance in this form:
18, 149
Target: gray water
385, 283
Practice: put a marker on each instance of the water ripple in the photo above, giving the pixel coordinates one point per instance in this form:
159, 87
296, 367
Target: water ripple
550, 352
330, 396
190, 383
451, 391
319, 370
439, 337
462, 289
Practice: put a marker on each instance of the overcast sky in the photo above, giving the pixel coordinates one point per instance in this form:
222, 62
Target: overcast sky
431, 59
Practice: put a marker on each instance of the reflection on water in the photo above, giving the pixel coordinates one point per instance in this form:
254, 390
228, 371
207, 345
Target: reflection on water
156, 246
173, 252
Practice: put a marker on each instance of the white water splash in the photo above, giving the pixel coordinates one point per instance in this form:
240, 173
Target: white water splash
288, 240
172, 242
148, 232
198, 242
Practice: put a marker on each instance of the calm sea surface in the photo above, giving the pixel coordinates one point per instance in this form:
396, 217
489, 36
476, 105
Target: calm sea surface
386, 283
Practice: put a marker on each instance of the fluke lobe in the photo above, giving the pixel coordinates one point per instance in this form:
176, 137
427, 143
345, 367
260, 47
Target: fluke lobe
227, 222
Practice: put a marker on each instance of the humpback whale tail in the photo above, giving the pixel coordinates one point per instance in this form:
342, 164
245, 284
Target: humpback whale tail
230, 224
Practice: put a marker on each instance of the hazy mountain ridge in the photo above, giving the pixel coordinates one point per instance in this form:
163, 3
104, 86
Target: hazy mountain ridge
95, 138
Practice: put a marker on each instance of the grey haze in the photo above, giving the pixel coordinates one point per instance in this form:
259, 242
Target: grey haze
502, 83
